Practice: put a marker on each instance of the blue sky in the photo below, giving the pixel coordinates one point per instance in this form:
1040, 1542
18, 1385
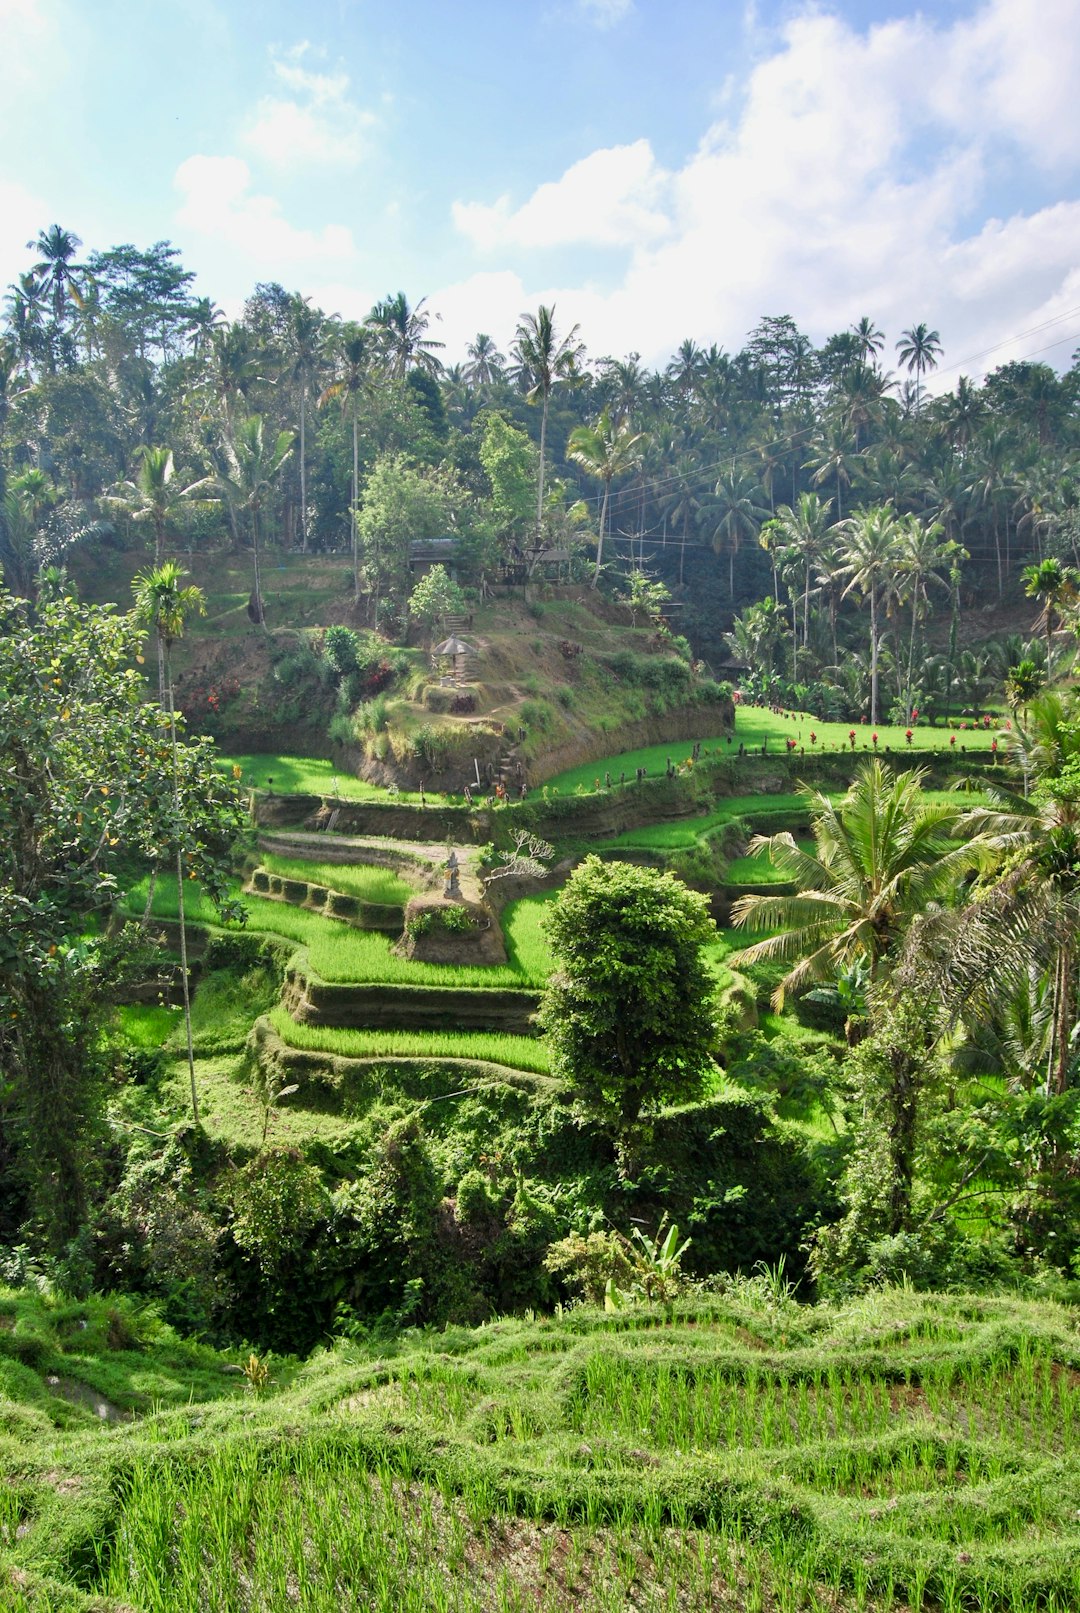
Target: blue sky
658, 170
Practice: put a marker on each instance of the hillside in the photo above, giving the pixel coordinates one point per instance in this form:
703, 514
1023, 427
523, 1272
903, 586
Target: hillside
552, 676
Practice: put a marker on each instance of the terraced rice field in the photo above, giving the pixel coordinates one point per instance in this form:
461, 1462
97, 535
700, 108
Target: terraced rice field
754, 727
362, 880
908, 1451
341, 954
513, 1052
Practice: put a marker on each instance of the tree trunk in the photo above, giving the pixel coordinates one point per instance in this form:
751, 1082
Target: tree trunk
303, 471
873, 658
540, 481
184, 982
600, 539
355, 512
259, 605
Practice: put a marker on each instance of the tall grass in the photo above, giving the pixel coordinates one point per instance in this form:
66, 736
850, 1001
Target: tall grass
493, 1047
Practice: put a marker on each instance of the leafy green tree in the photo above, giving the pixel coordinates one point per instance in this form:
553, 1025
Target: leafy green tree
434, 596
628, 1011
509, 461
306, 348
90, 787
402, 502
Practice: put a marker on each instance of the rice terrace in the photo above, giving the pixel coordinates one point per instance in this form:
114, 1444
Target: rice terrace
540, 835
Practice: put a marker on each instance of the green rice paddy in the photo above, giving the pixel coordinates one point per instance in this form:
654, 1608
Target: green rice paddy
362, 880
311, 775
755, 726
513, 1052
340, 954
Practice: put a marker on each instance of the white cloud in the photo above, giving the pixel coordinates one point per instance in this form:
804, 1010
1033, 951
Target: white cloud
318, 125
217, 202
607, 199
606, 13
22, 216
852, 177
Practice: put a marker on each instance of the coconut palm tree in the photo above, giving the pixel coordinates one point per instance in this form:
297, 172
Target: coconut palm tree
919, 350
1054, 585
881, 854
869, 340
59, 277
735, 514
352, 380
304, 331
804, 529
542, 360
150, 496
923, 557
254, 464
833, 457
871, 544
486, 364
401, 334
165, 606
605, 450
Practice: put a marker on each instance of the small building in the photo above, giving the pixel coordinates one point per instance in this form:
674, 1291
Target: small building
425, 553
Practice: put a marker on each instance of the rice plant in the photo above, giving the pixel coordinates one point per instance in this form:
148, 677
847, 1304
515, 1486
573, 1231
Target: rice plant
493, 1047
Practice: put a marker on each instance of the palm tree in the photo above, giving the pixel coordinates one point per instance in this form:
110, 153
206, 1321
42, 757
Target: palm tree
991, 470
687, 369
871, 552
804, 529
832, 455
1028, 920
400, 331
740, 515
919, 350
543, 359
959, 414
1053, 584
869, 340
880, 856
204, 317
605, 450
681, 504
922, 557
234, 367
304, 341
254, 463
486, 364
165, 607
350, 384
150, 497
58, 275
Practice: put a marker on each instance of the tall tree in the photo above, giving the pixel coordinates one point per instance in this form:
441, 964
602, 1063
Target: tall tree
150, 496
401, 332
735, 513
605, 450
352, 380
919, 350
543, 359
304, 336
165, 606
486, 364
61, 279
255, 460
871, 554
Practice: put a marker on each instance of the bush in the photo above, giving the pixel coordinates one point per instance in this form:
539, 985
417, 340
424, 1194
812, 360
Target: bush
340, 647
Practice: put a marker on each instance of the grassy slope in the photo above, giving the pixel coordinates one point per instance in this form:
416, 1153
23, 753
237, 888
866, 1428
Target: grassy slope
752, 1454
755, 726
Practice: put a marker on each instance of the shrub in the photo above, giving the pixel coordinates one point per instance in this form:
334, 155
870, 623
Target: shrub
340, 647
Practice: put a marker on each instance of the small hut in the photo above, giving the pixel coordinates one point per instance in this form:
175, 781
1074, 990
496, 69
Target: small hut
454, 653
